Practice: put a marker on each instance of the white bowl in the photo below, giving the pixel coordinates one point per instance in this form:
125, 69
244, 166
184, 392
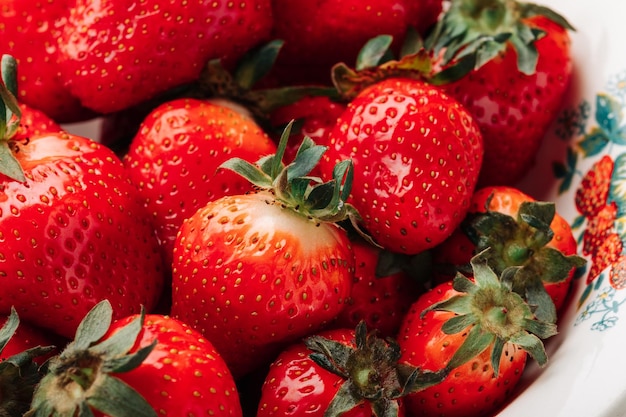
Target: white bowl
584, 375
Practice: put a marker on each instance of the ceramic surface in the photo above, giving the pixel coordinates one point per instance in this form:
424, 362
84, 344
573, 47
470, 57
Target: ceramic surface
584, 376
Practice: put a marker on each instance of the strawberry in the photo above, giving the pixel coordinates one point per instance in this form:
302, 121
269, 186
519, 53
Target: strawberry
416, 154
256, 271
382, 291
607, 254
29, 30
599, 227
72, 228
341, 372
523, 68
593, 192
525, 233
34, 122
19, 368
481, 332
310, 30
617, 275
174, 157
316, 116
182, 364
104, 371
113, 56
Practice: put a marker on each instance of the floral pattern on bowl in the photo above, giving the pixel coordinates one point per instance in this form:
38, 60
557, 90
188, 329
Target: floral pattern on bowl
584, 155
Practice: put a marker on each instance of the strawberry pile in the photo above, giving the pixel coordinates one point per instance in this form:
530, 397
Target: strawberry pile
291, 208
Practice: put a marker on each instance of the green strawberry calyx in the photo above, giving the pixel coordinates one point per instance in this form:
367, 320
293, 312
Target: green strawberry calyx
10, 115
19, 374
523, 242
239, 86
80, 379
494, 314
371, 372
485, 28
292, 186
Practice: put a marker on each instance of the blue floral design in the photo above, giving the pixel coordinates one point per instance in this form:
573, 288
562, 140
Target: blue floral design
604, 308
616, 86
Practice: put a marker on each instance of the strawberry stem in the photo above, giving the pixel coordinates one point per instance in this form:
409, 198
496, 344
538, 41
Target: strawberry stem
10, 115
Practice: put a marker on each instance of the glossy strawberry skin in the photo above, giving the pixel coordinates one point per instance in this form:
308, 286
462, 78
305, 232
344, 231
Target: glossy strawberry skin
514, 110
416, 154
295, 385
381, 301
252, 276
113, 56
34, 123
317, 116
73, 234
470, 390
186, 375
310, 30
29, 32
174, 160
507, 200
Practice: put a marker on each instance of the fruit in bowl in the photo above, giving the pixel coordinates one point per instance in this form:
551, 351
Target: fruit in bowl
461, 152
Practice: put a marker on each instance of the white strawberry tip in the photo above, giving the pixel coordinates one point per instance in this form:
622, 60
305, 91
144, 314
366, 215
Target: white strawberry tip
292, 186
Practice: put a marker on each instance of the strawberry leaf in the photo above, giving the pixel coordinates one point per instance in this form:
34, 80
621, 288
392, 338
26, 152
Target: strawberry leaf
257, 63
9, 328
372, 53
115, 398
94, 325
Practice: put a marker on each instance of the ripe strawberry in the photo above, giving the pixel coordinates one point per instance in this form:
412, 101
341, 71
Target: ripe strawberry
592, 194
316, 115
182, 364
526, 233
139, 365
617, 275
518, 83
174, 158
481, 332
113, 56
29, 31
340, 372
416, 155
607, 254
253, 272
34, 122
28, 336
72, 228
310, 30
19, 369
599, 227
381, 294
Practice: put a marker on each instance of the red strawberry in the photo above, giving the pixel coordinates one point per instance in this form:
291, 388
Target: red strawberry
318, 34
381, 294
340, 372
20, 365
316, 115
174, 160
416, 155
523, 232
592, 194
73, 230
29, 31
617, 276
518, 83
598, 229
478, 329
137, 365
114, 55
256, 271
608, 253
34, 122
